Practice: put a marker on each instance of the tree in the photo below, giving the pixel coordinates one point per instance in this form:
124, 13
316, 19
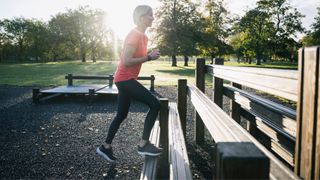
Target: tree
258, 29
37, 39
215, 29
287, 23
16, 30
313, 37
316, 28
81, 32
177, 28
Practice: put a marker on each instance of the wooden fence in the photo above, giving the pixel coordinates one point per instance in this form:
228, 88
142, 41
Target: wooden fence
292, 135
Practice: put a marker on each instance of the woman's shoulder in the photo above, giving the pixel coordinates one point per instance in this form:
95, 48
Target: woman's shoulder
135, 35
135, 32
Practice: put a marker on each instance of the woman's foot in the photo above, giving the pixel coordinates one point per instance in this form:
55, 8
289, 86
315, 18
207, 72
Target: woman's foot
106, 153
149, 150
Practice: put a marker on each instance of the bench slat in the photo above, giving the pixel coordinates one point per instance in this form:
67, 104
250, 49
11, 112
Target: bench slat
272, 119
281, 83
235, 133
150, 163
178, 158
214, 118
274, 113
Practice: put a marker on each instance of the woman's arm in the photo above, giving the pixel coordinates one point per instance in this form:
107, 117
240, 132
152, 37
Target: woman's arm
129, 51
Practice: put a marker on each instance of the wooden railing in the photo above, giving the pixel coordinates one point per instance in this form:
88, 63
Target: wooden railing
167, 133
293, 135
270, 122
71, 77
238, 154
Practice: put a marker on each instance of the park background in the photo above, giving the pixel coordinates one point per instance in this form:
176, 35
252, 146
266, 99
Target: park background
85, 38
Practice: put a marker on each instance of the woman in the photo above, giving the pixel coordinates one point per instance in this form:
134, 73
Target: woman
133, 55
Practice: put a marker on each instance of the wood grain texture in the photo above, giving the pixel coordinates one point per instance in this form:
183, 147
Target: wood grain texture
224, 129
178, 156
149, 168
282, 83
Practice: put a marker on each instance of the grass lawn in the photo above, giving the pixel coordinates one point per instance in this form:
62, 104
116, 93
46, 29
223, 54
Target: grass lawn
53, 73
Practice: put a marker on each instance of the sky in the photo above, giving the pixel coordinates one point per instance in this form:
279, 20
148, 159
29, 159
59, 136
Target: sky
120, 11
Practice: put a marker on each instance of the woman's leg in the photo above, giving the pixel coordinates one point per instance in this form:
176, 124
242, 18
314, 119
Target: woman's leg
138, 92
122, 112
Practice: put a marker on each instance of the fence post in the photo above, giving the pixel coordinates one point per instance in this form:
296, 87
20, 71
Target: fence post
35, 95
110, 80
70, 80
218, 85
200, 83
182, 103
235, 107
152, 83
164, 142
307, 152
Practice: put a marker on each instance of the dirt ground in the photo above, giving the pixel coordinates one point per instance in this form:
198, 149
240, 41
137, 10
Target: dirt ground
57, 139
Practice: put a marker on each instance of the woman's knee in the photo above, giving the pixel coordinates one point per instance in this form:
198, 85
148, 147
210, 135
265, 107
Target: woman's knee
121, 116
155, 105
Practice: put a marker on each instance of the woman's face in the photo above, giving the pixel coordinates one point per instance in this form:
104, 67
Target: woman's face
147, 19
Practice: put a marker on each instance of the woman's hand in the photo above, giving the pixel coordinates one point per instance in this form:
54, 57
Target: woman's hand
153, 55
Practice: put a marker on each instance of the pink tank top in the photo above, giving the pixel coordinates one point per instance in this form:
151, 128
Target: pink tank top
140, 41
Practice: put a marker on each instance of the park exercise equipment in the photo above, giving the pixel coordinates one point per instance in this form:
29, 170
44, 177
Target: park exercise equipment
91, 90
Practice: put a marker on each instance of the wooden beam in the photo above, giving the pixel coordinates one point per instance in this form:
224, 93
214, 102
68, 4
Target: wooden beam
282, 83
182, 103
224, 129
200, 83
163, 166
308, 140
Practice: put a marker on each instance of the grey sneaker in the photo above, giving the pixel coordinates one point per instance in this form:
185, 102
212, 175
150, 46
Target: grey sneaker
106, 153
149, 150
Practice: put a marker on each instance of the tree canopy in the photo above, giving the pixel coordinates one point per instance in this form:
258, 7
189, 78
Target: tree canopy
267, 32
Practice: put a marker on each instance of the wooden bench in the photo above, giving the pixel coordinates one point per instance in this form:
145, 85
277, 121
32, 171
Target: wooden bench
291, 135
157, 167
149, 168
238, 154
273, 124
178, 156
167, 132
108, 88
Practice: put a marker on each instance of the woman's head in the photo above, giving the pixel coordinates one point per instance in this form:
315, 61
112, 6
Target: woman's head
143, 15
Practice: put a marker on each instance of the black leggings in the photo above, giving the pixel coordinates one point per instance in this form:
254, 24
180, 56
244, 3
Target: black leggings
129, 90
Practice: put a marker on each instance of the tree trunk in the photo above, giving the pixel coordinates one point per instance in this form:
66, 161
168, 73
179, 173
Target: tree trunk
93, 52
83, 55
258, 60
93, 55
174, 60
212, 59
186, 60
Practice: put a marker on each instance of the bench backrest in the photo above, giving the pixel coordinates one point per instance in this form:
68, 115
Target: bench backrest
301, 86
224, 129
272, 123
71, 77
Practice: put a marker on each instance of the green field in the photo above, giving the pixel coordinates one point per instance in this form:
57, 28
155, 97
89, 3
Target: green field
53, 73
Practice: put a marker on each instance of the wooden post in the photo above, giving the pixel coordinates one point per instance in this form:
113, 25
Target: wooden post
91, 95
152, 83
235, 107
110, 80
70, 80
307, 152
240, 160
218, 85
182, 103
200, 83
35, 95
164, 141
